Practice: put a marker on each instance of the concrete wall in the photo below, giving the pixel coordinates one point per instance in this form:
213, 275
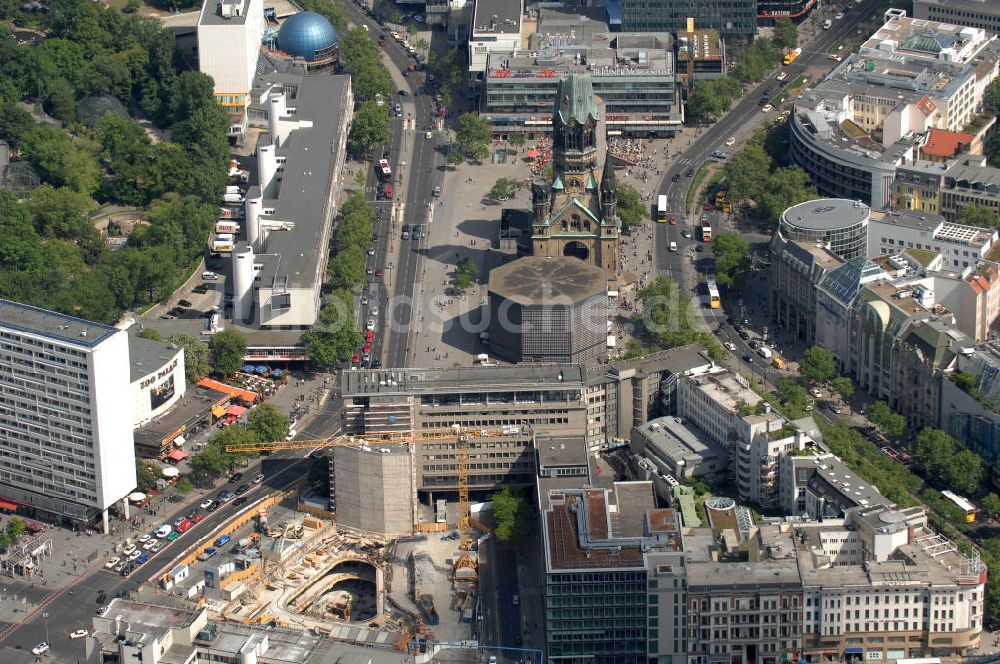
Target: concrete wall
374, 490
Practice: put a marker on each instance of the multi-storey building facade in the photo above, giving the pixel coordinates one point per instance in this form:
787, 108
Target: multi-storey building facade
868, 117
881, 585
796, 269
66, 447
981, 14
614, 569
961, 246
732, 18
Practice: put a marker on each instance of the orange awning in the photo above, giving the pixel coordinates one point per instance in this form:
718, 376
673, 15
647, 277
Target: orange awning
235, 411
7, 505
218, 411
178, 455
245, 395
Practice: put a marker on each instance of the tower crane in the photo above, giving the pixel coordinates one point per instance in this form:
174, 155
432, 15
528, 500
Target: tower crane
463, 437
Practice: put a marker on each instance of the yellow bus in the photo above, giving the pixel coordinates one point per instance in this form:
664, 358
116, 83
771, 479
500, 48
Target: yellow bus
720, 197
962, 504
791, 55
713, 295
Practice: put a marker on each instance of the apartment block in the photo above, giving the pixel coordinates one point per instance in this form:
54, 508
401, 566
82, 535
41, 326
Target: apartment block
982, 14
796, 269
66, 446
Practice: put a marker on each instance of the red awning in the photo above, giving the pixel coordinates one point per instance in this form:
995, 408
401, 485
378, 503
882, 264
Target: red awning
7, 505
178, 455
235, 411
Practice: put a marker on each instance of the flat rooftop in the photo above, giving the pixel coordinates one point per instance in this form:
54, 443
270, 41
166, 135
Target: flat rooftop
290, 258
291, 646
193, 406
809, 252
61, 328
704, 574
616, 533
461, 379
928, 40
235, 10
921, 221
826, 214
147, 356
496, 17
682, 444
831, 478
537, 280
702, 45
723, 388
555, 450
152, 618
677, 360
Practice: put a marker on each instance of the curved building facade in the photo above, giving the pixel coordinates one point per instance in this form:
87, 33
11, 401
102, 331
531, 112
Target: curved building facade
840, 225
839, 172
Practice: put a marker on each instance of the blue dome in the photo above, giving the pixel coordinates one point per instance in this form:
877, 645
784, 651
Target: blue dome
307, 35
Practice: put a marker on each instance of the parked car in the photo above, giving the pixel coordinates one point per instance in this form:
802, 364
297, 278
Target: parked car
207, 553
40, 649
259, 478
112, 562
205, 504
79, 634
222, 541
235, 478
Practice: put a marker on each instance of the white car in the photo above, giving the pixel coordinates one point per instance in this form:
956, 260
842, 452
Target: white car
79, 634
370, 325
40, 649
144, 537
148, 544
730, 346
429, 134
292, 433
371, 251
258, 479
129, 550
731, 141
782, 76
839, 15
767, 108
205, 504
112, 562
135, 554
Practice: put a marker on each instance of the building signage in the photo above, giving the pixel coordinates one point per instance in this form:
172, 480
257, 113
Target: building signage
162, 373
546, 73
162, 393
628, 71
500, 73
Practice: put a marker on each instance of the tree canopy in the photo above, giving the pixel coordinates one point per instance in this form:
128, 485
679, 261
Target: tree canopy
892, 424
334, 337
753, 62
227, 349
473, 134
369, 128
710, 99
732, 258
511, 513
786, 34
817, 364
631, 210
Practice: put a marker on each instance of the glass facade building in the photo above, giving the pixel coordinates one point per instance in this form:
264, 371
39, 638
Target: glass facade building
732, 18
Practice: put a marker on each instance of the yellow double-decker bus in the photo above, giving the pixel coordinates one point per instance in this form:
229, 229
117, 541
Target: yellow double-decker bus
713, 295
791, 55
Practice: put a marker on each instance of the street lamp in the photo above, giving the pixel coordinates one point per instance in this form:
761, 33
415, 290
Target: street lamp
45, 615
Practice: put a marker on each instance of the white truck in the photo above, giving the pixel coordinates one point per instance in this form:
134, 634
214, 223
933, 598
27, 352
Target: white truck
764, 352
226, 227
231, 213
233, 189
233, 199
827, 24
222, 243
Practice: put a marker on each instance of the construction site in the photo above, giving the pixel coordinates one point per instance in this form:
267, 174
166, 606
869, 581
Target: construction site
283, 562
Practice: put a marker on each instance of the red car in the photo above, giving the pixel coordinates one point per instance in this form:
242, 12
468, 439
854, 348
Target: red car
706, 206
198, 517
184, 525
379, 272
355, 358
381, 42
673, 220
369, 336
368, 348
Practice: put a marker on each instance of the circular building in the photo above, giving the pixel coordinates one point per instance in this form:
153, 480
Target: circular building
309, 36
548, 310
94, 107
837, 223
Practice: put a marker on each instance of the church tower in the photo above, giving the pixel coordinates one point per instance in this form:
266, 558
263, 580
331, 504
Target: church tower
575, 212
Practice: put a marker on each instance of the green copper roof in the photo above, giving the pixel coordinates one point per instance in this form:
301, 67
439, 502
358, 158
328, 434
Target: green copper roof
557, 183
575, 99
591, 183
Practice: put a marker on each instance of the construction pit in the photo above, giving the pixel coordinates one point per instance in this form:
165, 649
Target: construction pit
354, 588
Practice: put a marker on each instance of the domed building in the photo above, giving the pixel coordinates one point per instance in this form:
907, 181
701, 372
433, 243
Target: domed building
309, 36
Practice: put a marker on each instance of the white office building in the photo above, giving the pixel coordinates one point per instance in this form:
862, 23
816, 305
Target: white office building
229, 43
66, 448
496, 28
961, 246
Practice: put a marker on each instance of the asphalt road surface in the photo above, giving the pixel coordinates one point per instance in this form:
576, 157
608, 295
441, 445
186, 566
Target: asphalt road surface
421, 174
501, 619
746, 113
72, 607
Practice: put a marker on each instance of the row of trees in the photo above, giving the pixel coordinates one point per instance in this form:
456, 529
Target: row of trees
334, 337
753, 175
361, 57
465, 272
710, 99
666, 322
264, 424
371, 127
473, 134
631, 210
